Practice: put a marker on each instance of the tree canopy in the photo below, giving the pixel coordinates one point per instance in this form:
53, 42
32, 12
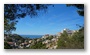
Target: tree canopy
80, 8
75, 41
9, 26
12, 12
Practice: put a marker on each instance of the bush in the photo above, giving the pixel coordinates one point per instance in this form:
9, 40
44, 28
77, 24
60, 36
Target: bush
38, 45
76, 41
7, 46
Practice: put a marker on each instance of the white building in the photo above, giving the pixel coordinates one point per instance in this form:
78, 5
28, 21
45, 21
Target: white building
46, 42
59, 34
30, 41
68, 31
45, 36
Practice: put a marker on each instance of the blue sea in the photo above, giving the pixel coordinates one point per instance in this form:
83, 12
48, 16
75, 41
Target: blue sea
31, 36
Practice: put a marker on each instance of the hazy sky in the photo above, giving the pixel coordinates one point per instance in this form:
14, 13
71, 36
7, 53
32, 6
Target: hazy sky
53, 21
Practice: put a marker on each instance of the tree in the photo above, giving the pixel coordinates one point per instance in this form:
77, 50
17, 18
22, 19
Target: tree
38, 45
7, 46
9, 26
78, 39
80, 8
63, 40
75, 41
14, 11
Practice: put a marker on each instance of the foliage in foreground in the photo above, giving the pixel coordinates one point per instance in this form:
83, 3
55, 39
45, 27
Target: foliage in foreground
38, 45
75, 41
7, 46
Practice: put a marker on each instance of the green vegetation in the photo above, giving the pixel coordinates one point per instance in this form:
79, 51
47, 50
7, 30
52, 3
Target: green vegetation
13, 12
7, 46
80, 8
9, 39
75, 41
9, 26
12, 38
17, 37
50, 37
38, 45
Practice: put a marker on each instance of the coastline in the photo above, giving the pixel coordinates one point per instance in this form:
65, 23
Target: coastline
31, 36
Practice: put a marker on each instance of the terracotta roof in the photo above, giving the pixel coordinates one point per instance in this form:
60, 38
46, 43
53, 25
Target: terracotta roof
11, 43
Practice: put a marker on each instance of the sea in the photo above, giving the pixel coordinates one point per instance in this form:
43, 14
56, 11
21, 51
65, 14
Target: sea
31, 36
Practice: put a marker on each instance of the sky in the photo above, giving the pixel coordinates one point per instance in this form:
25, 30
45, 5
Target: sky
54, 20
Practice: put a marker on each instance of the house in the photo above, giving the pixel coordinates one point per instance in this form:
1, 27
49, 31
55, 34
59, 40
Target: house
70, 32
54, 47
59, 34
30, 41
45, 36
48, 45
54, 39
11, 43
25, 43
21, 46
28, 45
46, 42
38, 40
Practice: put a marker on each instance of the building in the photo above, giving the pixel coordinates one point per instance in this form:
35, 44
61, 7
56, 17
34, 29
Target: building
45, 36
11, 43
30, 41
68, 31
59, 34
46, 42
